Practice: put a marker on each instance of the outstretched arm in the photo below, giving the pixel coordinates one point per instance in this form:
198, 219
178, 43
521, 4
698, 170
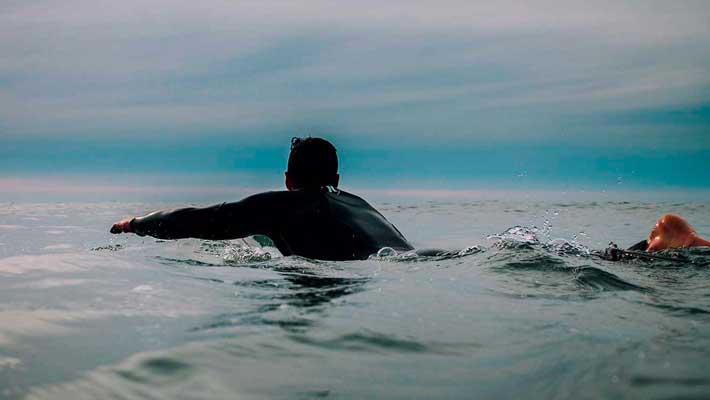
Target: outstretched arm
251, 216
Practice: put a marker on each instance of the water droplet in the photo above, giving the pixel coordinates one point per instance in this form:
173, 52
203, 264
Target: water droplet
386, 252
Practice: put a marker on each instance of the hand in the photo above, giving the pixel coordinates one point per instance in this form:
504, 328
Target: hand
123, 226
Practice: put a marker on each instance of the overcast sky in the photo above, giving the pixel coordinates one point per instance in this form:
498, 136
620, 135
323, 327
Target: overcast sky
554, 91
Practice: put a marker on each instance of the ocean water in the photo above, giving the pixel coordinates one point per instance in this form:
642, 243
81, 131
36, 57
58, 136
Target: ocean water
520, 308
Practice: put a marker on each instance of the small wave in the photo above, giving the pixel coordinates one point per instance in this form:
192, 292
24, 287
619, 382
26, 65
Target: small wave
258, 318
184, 261
374, 342
201, 278
157, 370
595, 278
679, 310
389, 254
542, 262
695, 256
537, 261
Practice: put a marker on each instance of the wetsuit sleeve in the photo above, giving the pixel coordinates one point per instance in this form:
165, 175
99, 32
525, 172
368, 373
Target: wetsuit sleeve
640, 246
250, 216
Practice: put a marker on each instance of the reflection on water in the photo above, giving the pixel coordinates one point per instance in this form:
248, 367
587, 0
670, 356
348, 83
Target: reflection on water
302, 295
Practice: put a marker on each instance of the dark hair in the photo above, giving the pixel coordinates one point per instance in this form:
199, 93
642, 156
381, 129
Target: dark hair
312, 163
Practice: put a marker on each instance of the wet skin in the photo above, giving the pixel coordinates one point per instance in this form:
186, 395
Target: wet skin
672, 231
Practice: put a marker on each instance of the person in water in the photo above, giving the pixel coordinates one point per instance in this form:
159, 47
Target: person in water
312, 218
670, 232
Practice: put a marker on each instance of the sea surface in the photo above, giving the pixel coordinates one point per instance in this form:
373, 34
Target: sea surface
521, 307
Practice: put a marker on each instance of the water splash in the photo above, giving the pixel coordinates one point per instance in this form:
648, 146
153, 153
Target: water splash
567, 248
517, 234
386, 252
469, 251
243, 253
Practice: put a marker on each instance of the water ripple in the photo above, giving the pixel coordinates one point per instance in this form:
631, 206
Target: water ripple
594, 278
375, 342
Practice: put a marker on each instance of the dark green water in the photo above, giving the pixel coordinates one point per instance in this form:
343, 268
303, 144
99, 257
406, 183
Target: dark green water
525, 313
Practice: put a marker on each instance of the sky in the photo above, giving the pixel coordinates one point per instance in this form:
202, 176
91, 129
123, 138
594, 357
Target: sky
430, 94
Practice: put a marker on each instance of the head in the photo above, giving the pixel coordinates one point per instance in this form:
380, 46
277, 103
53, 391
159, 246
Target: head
671, 231
312, 164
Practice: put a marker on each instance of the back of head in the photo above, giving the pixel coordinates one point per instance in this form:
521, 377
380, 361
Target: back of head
671, 231
312, 163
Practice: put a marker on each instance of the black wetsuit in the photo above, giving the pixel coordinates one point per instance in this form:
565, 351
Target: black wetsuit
614, 253
640, 246
324, 224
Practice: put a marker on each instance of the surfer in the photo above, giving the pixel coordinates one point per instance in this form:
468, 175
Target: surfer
670, 232
312, 218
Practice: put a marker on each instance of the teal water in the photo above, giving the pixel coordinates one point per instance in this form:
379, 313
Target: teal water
522, 313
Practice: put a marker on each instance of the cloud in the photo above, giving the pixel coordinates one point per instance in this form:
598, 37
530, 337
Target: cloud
463, 71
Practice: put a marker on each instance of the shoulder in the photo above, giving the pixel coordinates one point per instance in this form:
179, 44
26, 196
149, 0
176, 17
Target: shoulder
349, 200
268, 196
256, 201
